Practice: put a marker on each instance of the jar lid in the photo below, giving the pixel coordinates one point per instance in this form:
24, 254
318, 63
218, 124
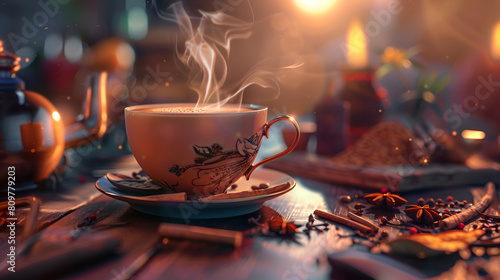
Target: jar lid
8, 60
9, 65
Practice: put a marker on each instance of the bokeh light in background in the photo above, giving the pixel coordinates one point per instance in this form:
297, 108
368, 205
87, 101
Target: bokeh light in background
53, 46
27, 55
495, 43
473, 134
315, 6
73, 49
137, 23
136, 19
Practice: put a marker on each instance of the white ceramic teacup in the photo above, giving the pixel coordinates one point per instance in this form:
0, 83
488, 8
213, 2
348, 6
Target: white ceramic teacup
200, 152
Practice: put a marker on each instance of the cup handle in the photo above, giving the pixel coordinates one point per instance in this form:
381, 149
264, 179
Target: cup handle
267, 126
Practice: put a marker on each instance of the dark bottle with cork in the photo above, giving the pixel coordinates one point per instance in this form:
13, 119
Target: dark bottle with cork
366, 108
331, 115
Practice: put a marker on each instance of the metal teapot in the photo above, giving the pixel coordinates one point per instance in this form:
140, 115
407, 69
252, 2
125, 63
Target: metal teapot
32, 135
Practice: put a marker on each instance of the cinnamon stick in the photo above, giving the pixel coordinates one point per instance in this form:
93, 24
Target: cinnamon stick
344, 221
161, 197
364, 221
243, 194
229, 237
471, 212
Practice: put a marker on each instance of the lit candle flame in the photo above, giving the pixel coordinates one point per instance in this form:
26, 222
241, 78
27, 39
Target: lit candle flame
473, 134
495, 43
356, 45
314, 6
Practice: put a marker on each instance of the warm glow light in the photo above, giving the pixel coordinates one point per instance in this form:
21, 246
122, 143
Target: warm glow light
473, 134
314, 6
56, 116
495, 43
356, 46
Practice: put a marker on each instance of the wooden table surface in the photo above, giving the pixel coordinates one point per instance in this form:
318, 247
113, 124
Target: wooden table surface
301, 256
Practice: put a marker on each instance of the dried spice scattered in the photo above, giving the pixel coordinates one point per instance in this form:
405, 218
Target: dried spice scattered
385, 200
261, 186
413, 230
422, 214
345, 198
280, 225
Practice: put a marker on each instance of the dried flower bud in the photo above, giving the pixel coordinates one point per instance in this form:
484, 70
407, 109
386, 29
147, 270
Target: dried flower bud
421, 201
345, 198
359, 206
311, 218
431, 202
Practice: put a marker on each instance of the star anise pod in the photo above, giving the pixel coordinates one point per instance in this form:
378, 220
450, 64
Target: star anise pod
422, 214
386, 200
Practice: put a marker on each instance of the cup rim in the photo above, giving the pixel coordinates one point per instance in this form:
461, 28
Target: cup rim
136, 109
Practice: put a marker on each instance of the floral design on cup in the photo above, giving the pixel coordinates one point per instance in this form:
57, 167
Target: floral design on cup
213, 164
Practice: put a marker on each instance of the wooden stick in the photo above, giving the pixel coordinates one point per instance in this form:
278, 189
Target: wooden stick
32, 219
471, 212
363, 220
223, 196
229, 237
344, 221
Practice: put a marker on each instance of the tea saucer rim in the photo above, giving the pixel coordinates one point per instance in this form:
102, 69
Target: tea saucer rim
251, 203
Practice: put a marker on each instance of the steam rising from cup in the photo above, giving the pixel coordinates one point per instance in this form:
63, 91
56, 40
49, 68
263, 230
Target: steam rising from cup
206, 52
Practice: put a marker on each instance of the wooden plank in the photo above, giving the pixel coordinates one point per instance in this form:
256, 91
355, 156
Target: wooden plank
394, 179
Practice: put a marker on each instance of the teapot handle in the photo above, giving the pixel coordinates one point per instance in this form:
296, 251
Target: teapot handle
94, 122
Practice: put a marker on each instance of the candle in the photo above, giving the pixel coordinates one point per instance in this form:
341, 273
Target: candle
357, 55
365, 105
314, 6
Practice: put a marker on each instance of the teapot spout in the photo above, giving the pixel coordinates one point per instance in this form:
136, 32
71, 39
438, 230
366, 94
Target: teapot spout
93, 123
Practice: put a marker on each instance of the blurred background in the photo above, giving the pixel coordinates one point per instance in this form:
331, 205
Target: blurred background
411, 44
